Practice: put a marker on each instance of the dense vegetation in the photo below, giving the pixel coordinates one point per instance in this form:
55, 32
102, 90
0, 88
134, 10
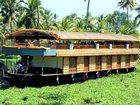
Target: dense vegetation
120, 89
16, 14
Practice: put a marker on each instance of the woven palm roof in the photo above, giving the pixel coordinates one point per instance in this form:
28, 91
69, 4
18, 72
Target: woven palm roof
42, 34
32, 34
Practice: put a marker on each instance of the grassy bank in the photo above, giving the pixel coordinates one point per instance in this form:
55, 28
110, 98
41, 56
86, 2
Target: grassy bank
123, 89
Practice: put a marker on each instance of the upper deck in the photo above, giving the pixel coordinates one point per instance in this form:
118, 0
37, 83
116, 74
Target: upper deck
44, 43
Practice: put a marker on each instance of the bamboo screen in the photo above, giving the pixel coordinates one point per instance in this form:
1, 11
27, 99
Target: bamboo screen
80, 64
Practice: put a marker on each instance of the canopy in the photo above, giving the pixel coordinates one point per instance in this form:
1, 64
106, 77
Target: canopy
57, 35
32, 34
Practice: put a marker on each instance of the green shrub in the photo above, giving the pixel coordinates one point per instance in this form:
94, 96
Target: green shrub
122, 89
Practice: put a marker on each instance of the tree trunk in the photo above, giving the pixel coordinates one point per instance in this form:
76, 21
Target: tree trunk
10, 24
87, 15
37, 14
127, 9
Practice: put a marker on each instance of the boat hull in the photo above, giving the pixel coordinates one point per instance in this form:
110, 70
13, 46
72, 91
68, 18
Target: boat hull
23, 80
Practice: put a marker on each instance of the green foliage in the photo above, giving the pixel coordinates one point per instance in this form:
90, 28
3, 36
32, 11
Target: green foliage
16, 14
122, 89
29, 14
128, 5
137, 18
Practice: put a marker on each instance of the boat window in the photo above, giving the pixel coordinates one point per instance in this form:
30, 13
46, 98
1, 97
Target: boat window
127, 60
86, 63
118, 60
109, 61
98, 62
72, 64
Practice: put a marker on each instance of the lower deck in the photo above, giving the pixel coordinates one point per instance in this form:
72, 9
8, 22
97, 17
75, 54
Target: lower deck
23, 80
75, 64
79, 64
98, 63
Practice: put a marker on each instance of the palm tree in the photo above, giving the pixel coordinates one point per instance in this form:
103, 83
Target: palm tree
77, 22
130, 28
116, 22
47, 19
65, 25
2, 38
9, 10
128, 5
100, 24
87, 14
79, 25
72, 17
137, 18
30, 16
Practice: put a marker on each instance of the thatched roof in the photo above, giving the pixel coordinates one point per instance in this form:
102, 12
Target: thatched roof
32, 34
42, 34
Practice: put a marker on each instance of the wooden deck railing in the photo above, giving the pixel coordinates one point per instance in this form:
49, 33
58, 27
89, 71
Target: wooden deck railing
84, 46
75, 46
103, 46
118, 46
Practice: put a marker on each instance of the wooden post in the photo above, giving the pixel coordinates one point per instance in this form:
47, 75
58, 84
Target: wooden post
80, 64
92, 66
57, 79
114, 61
117, 71
127, 70
66, 65
72, 76
6, 60
123, 61
42, 70
86, 75
97, 74
108, 72
104, 62
57, 65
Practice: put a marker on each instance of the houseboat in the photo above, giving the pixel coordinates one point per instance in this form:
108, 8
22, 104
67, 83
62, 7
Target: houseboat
53, 57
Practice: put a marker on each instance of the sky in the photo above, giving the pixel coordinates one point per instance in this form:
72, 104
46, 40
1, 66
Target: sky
97, 7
